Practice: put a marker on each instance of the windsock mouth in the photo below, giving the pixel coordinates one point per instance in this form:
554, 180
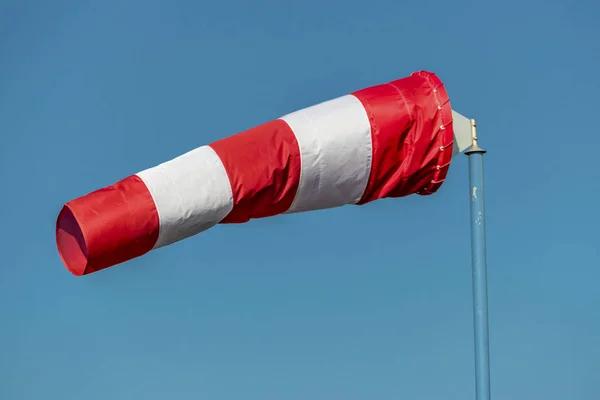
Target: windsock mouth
71, 242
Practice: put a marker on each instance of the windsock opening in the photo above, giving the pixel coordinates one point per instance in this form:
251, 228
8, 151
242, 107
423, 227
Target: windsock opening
107, 227
71, 243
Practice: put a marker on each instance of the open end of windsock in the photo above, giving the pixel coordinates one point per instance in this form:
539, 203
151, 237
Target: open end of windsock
70, 242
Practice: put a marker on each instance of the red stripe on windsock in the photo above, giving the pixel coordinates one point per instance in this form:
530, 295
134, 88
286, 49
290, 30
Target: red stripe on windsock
107, 227
411, 128
263, 165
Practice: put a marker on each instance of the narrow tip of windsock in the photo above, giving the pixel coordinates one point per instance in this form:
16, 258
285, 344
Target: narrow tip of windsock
71, 242
107, 227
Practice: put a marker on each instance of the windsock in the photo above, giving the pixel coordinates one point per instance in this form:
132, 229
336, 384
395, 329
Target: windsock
389, 140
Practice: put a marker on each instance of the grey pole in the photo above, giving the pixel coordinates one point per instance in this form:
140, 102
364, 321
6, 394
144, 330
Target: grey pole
479, 267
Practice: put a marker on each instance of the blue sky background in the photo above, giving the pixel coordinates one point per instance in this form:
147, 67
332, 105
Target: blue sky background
369, 302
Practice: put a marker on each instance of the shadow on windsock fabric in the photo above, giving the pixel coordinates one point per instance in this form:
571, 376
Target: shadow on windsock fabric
389, 140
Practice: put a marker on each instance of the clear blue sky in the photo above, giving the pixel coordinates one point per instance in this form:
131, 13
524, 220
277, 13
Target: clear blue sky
369, 302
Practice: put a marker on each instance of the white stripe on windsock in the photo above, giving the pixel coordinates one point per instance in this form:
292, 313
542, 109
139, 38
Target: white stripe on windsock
335, 148
191, 192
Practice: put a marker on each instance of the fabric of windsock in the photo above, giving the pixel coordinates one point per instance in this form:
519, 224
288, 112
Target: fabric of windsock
389, 140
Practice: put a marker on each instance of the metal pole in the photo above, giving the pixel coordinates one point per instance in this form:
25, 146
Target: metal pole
478, 264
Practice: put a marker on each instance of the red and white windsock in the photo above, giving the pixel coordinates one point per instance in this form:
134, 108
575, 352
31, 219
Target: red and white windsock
390, 140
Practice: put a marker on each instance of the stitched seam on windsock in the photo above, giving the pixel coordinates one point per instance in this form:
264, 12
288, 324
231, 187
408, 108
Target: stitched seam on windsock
444, 135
